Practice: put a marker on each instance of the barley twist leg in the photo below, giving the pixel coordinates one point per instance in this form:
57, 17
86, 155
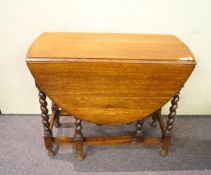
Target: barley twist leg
78, 138
169, 125
46, 124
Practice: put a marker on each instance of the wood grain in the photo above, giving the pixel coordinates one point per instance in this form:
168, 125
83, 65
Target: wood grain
109, 47
109, 78
108, 93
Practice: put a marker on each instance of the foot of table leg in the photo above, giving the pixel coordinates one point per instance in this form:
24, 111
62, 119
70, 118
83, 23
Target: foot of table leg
163, 153
78, 138
50, 153
169, 125
79, 150
165, 146
55, 108
49, 145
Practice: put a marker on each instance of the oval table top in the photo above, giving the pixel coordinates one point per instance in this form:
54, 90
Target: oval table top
109, 78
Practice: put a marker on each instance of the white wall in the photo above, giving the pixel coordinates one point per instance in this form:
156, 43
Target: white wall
22, 21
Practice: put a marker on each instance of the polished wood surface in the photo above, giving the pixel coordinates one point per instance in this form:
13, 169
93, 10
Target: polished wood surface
109, 78
109, 47
110, 93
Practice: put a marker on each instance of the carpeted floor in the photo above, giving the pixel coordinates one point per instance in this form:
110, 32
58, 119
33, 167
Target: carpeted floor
22, 150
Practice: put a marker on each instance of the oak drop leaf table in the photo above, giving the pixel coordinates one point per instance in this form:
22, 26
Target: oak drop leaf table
107, 78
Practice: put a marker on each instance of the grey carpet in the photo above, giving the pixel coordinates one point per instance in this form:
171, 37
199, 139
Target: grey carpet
22, 149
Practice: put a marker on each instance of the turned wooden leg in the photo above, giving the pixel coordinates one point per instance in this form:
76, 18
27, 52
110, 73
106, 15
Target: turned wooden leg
139, 130
169, 125
78, 138
46, 124
55, 109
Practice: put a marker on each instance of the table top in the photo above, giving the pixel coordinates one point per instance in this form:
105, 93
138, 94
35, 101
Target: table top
100, 78
109, 47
